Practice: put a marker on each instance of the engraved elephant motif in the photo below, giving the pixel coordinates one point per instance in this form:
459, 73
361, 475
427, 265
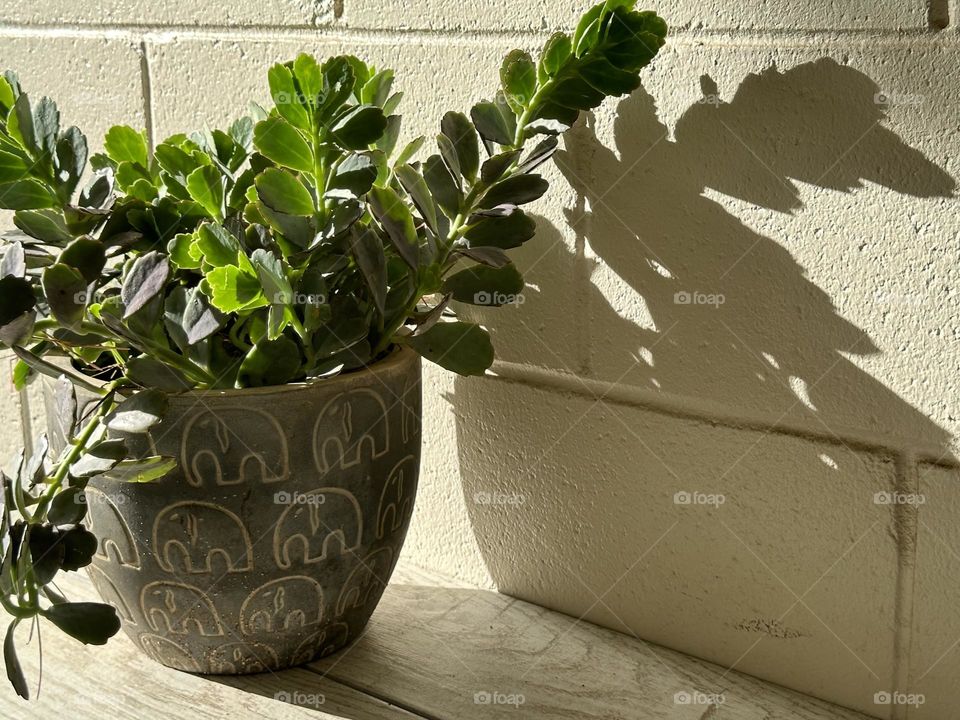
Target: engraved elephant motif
189, 535
323, 642
110, 594
166, 652
108, 525
396, 498
306, 526
351, 425
283, 604
172, 607
366, 578
226, 448
241, 658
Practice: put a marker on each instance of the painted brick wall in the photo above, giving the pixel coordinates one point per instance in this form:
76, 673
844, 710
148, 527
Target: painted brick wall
739, 353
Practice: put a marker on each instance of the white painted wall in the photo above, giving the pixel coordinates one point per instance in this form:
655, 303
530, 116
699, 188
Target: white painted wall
799, 159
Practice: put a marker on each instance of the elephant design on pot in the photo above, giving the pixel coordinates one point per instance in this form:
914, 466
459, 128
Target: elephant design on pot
368, 576
323, 642
283, 604
108, 525
189, 535
240, 657
167, 652
227, 447
396, 499
351, 426
178, 609
305, 526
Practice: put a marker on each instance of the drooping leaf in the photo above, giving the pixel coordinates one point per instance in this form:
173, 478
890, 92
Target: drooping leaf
45, 224
463, 348
139, 412
491, 256
494, 167
142, 470
98, 459
14, 671
90, 623
495, 122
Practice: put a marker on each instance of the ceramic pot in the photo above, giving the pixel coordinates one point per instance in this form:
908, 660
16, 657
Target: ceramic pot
271, 544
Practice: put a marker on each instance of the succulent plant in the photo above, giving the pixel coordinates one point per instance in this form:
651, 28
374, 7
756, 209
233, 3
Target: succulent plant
298, 243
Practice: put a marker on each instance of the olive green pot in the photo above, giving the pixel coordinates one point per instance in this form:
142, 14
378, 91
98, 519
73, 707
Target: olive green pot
271, 544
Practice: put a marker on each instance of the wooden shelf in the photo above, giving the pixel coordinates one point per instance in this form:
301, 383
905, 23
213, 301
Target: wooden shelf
434, 650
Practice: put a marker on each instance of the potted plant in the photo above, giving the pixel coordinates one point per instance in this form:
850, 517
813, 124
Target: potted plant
230, 328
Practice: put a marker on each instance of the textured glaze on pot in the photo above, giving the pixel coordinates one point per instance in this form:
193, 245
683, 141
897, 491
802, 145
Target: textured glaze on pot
272, 542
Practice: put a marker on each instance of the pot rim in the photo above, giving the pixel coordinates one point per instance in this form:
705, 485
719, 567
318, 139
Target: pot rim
399, 357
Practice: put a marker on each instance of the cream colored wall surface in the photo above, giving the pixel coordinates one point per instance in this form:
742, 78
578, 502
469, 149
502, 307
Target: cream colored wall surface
725, 417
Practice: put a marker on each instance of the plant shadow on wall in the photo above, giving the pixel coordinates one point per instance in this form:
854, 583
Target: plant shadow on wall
556, 485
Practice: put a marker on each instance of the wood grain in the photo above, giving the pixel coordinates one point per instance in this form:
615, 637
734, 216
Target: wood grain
434, 650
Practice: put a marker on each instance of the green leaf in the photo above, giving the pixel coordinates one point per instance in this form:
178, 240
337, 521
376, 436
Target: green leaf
515, 190
491, 256
461, 133
280, 141
463, 348
26, 194
144, 281
270, 362
483, 285
442, 185
141, 471
494, 122
14, 671
356, 174
273, 278
217, 246
283, 191
14, 261
200, 320
86, 255
138, 413
504, 232
147, 371
233, 289
368, 252
494, 167
309, 78
287, 98
90, 623
46, 224
98, 459
205, 185
518, 75
180, 250
12, 167
67, 507
359, 127
555, 53
418, 191
124, 144
66, 293
397, 221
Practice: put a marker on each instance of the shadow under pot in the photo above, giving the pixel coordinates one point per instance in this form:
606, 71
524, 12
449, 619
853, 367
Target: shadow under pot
273, 540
